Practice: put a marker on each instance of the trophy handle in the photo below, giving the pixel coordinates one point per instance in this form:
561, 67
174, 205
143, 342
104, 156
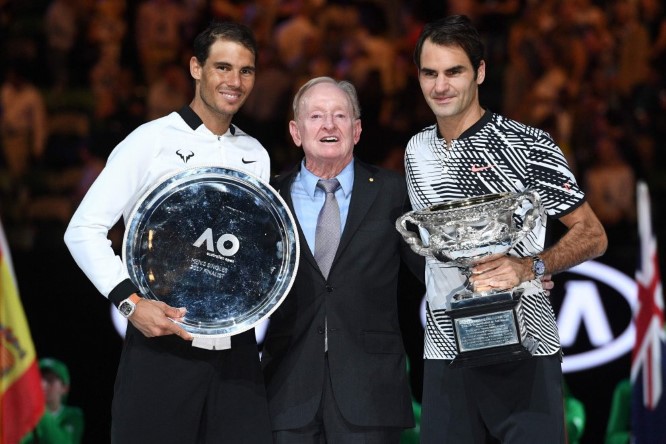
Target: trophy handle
412, 239
532, 214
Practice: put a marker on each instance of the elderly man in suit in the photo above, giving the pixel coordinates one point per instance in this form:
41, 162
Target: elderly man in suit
333, 356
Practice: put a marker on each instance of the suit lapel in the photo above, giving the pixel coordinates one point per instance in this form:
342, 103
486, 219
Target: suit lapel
365, 191
283, 186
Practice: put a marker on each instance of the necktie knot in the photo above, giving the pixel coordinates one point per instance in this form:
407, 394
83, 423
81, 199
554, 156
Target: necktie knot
328, 185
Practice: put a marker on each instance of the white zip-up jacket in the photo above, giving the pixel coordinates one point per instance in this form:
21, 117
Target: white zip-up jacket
153, 151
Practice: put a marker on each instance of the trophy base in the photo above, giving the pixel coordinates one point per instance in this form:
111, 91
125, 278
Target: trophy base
487, 330
490, 356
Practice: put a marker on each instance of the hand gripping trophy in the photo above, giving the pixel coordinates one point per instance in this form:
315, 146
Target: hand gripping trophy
487, 327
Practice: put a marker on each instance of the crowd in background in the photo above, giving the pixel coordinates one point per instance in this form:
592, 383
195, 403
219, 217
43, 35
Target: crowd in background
76, 76
79, 75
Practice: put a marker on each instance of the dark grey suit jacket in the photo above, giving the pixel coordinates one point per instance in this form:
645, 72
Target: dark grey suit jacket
365, 349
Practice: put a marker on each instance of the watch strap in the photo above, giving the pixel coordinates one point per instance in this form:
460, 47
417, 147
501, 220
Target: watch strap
134, 298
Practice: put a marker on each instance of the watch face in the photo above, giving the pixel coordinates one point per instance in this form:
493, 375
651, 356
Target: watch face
539, 267
125, 308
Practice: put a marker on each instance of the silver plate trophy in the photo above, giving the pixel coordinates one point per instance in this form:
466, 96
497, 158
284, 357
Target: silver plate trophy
216, 241
487, 327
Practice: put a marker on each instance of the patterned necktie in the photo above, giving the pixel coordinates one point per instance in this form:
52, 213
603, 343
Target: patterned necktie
327, 236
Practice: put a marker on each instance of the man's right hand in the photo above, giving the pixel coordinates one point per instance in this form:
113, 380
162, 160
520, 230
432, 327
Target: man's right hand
155, 318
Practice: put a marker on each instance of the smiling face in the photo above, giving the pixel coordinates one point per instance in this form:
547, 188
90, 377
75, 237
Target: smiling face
223, 83
326, 128
449, 84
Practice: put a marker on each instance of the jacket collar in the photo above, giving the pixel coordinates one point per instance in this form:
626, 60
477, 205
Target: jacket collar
365, 190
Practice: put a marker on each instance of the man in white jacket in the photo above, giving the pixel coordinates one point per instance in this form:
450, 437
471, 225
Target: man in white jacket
169, 389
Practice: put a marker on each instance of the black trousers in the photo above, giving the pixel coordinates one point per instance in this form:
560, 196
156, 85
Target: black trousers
330, 427
167, 391
509, 403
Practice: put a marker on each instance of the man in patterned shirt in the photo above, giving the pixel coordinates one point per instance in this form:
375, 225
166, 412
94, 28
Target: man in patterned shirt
470, 152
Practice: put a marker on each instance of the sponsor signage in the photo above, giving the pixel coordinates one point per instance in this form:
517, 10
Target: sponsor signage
593, 315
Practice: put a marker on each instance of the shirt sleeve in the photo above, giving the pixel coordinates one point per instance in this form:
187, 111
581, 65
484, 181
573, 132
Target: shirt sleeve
113, 192
550, 175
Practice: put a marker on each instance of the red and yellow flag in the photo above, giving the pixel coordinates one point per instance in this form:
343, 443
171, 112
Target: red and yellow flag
21, 395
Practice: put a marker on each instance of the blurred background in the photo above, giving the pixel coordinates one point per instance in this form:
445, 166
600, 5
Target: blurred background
78, 75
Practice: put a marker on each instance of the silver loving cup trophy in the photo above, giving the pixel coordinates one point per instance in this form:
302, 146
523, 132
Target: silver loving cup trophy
487, 327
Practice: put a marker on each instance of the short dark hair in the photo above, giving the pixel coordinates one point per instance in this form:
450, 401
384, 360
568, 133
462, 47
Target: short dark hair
232, 31
454, 30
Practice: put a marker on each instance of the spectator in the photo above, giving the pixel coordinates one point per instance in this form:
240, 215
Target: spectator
61, 423
294, 34
611, 186
159, 32
61, 29
23, 120
633, 47
618, 430
170, 91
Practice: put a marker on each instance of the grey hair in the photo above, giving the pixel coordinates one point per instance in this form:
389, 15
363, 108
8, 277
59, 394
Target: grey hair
344, 85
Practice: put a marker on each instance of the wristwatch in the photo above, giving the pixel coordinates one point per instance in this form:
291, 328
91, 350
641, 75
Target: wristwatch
127, 306
538, 267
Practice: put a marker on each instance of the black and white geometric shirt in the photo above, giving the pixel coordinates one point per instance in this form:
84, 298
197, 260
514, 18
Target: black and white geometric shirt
495, 155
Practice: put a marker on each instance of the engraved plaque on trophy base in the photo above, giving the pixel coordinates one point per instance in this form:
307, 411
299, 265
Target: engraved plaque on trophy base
487, 330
